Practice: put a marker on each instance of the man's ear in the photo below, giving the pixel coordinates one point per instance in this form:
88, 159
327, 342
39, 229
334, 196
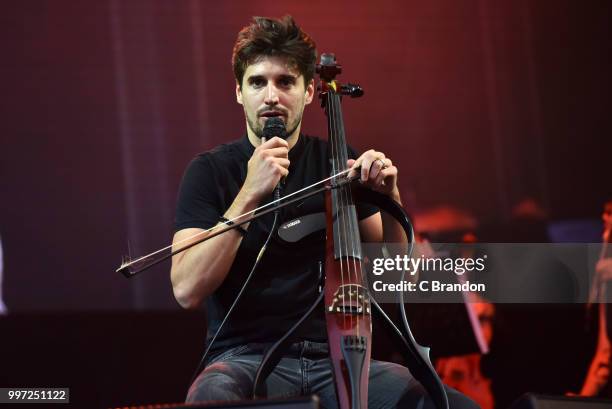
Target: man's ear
238, 94
310, 89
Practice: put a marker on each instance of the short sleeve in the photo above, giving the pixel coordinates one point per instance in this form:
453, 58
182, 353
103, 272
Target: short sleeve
364, 210
198, 204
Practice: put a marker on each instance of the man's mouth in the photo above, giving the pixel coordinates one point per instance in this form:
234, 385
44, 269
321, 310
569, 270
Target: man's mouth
270, 114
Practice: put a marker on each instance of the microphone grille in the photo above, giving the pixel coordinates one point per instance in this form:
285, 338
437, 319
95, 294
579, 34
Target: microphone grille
275, 127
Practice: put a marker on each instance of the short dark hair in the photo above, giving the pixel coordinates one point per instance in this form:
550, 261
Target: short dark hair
266, 37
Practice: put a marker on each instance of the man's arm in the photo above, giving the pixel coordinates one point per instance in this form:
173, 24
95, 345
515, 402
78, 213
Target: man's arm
381, 227
199, 271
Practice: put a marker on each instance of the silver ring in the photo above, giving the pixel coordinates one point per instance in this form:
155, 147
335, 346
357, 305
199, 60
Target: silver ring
384, 165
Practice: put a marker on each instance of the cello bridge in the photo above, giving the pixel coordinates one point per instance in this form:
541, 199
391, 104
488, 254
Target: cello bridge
350, 299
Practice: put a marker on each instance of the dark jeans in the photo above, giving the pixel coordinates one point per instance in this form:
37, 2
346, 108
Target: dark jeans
306, 370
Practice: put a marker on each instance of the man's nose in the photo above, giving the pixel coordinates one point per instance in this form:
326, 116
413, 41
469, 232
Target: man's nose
271, 97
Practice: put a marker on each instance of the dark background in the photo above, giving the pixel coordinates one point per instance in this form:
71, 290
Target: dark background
479, 103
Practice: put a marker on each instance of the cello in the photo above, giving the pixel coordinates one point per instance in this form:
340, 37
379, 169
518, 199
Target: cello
348, 304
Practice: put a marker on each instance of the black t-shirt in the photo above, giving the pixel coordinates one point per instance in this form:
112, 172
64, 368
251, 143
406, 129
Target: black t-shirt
286, 282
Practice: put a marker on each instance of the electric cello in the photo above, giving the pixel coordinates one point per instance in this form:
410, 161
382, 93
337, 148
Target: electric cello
348, 304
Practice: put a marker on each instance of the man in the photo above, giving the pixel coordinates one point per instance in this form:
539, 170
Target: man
274, 63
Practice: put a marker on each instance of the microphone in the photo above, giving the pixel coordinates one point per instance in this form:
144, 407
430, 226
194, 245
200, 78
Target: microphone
275, 127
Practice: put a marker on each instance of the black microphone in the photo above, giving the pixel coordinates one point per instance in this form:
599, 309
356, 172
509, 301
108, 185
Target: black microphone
275, 127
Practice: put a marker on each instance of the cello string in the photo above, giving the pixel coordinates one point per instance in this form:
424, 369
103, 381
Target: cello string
341, 234
347, 218
336, 205
340, 156
231, 221
357, 257
355, 245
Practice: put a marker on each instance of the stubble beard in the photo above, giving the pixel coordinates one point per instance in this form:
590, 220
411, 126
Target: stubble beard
257, 129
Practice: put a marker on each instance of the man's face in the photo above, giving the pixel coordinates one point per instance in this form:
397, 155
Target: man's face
270, 88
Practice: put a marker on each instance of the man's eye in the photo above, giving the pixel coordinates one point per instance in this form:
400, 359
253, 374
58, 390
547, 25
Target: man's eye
258, 83
286, 82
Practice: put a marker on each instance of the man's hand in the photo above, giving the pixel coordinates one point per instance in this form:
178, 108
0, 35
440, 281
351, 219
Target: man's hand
269, 163
377, 173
